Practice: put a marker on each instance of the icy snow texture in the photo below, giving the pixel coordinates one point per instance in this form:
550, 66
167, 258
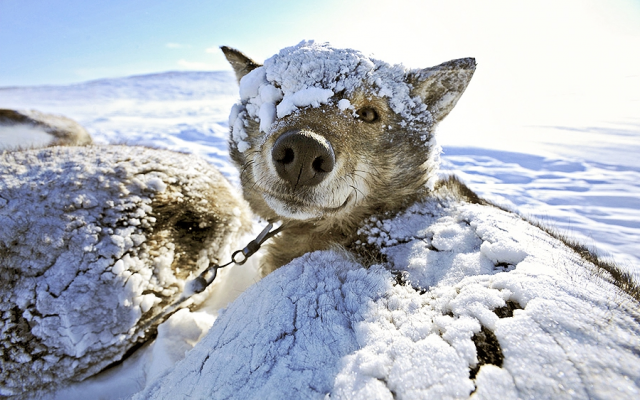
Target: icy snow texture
95, 241
309, 75
325, 326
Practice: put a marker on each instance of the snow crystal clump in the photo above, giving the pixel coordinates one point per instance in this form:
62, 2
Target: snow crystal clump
344, 104
311, 96
313, 74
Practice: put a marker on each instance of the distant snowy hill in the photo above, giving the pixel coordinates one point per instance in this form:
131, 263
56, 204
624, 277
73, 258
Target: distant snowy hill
182, 111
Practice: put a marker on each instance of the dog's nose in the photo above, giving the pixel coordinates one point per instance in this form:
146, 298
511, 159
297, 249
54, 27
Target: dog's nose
303, 158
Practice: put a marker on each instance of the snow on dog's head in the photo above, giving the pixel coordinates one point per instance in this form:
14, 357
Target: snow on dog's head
322, 132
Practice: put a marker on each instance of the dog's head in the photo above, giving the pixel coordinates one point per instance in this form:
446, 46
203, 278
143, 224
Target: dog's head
325, 134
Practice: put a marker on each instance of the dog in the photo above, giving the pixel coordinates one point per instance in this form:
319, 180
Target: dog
95, 243
325, 138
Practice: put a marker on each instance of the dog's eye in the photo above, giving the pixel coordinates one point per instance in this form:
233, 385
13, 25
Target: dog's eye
368, 114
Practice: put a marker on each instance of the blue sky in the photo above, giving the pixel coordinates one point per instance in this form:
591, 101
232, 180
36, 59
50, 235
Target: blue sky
556, 63
62, 41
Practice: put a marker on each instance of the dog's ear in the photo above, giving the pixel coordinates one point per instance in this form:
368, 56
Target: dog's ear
441, 86
241, 64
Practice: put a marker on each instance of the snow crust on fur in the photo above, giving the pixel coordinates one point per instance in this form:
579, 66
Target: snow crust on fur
311, 74
83, 261
324, 326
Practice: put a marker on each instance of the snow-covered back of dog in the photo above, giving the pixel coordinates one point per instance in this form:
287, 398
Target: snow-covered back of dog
95, 242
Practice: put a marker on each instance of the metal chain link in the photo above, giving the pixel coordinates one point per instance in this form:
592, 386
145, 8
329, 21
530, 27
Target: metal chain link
202, 281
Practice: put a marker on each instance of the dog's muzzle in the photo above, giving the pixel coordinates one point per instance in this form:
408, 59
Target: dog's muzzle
303, 158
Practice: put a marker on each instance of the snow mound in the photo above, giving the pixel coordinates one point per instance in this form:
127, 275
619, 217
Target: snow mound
27, 129
476, 302
94, 242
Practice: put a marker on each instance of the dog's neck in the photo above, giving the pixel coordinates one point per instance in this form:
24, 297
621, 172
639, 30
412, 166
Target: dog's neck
300, 237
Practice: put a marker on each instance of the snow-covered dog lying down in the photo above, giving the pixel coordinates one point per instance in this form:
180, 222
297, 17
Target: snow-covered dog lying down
94, 243
387, 281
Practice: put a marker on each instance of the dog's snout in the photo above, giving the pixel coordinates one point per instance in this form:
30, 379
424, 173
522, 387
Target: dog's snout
303, 158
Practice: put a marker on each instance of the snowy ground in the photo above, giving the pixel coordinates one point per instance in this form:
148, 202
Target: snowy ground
587, 184
592, 198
